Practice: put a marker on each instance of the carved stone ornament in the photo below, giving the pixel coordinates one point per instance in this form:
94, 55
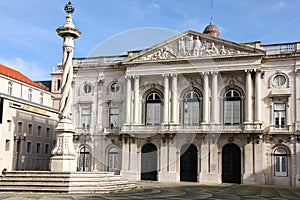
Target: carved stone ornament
190, 46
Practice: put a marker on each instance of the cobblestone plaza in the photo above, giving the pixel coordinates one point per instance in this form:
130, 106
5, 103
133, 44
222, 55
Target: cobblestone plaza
151, 190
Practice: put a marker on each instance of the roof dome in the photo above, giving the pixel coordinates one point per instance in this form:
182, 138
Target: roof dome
212, 30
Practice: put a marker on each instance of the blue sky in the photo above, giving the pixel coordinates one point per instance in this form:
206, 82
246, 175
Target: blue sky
29, 43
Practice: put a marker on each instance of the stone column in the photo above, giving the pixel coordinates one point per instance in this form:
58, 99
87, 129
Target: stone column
136, 99
64, 155
125, 156
214, 102
205, 98
258, 96
249, 118
166, 99
174, 99
128, 101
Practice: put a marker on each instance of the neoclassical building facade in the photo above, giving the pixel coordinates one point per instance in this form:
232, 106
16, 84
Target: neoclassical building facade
192, 108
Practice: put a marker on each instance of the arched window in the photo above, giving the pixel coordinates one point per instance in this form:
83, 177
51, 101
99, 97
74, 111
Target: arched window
84, 159
191, 109
29, 94
232, 107
113, 164
9, 89
87, 88
153, 109
280, 162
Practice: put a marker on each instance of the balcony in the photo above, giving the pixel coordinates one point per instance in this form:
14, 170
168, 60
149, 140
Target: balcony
203, 128
275, 129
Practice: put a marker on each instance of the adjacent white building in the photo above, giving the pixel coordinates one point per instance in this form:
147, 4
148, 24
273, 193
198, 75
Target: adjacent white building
27, 122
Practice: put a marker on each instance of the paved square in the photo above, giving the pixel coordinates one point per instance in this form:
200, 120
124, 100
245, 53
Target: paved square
154, 190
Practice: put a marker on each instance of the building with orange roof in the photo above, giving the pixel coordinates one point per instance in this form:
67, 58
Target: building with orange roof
27, 122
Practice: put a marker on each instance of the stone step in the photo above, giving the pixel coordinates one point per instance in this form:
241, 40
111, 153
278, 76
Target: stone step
77, 182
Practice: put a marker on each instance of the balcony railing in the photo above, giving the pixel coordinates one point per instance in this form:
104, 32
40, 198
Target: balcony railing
280, 48
273, 129
235, 128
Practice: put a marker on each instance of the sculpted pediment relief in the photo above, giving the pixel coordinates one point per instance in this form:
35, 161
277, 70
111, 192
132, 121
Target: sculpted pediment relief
193, 45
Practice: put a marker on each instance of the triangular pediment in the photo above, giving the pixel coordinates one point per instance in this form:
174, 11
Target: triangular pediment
191, 44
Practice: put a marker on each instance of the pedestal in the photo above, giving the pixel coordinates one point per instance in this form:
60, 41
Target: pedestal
64, 158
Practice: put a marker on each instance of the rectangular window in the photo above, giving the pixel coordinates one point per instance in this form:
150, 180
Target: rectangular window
280, 165
191, 113
48, 132
28, 148
38, 148
39, 131
8, 125
232, 112
30, 95
7, 145
1, 110
153, 114
20, 127
30, 129
86, 117
41, 98
279, 115
47, 148
114, 118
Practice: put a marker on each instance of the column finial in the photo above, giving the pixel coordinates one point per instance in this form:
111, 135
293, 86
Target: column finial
69, 8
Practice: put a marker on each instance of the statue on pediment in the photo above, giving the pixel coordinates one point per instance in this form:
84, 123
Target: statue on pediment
190, 46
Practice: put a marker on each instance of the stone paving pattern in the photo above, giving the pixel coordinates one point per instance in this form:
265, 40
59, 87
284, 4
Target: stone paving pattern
175, 191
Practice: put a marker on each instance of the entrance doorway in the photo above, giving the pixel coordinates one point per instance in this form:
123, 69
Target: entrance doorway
231, 164
149, 162
84, 159
189, 163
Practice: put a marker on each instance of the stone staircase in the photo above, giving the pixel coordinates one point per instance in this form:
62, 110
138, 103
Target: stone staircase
63, 182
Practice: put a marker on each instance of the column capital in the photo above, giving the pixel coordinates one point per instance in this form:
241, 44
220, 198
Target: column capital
166, 75
249, 70
214, 72
174, 75
128, 76
136, 76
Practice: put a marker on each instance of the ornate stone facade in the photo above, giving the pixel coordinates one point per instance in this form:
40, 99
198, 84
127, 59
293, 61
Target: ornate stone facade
193, 108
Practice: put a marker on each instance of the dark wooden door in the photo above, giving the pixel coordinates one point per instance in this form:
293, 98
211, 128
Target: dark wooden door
189, 163
231, 164
149, 162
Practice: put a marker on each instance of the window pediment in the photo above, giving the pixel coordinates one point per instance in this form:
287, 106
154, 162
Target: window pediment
276, 92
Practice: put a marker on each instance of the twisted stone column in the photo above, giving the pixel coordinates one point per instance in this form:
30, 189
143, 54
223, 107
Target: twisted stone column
63, 155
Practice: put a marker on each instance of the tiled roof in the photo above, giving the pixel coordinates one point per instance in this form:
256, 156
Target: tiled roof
6, 71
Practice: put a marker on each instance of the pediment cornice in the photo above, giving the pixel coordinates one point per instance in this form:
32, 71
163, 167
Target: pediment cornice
191, 45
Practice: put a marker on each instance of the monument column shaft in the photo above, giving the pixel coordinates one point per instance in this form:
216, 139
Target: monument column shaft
64, 155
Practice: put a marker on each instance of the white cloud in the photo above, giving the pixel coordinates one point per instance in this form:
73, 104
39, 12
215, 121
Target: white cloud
29, 69
155, 5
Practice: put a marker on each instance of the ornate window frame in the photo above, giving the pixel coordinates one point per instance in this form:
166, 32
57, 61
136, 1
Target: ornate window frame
279, 73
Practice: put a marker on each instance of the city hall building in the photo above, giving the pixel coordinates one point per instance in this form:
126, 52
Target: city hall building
192, 108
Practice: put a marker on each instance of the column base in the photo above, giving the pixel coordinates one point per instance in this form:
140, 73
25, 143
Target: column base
165, 176
131, 176
254, 179
63, 164
210, 178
